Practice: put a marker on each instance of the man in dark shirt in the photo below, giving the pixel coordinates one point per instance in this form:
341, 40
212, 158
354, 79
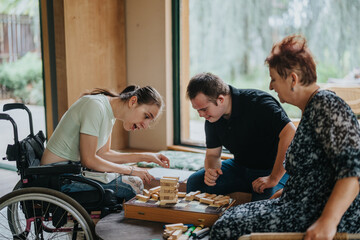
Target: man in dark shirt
252, 125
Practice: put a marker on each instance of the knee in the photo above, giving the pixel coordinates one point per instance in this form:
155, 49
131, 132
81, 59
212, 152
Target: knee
135, 183
219, 230
194, 182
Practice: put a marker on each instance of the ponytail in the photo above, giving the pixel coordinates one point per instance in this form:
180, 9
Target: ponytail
97, 91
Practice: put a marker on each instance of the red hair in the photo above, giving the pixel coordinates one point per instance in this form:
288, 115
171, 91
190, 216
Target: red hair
293, 55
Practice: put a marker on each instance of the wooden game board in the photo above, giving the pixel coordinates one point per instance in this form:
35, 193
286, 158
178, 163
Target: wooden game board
187, 212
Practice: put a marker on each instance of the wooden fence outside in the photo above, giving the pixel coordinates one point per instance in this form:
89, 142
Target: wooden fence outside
16, 37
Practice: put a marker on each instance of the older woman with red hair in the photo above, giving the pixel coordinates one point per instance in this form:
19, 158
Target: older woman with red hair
321, 196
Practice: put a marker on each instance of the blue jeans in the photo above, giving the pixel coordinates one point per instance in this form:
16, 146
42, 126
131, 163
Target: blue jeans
121, 189
235, 178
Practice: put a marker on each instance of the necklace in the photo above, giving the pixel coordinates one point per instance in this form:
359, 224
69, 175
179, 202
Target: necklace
311, 96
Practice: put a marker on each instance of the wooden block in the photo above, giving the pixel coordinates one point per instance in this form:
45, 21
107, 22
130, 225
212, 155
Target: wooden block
201, 195
154, 189
211, 196
191, 195
223, 198
142, 197
177, 178
167, 233
222, 202
176, 234
155, 196
168, 197
181, 194
163, 202
162, 191
218, 197
206, 200
168, 194
168, 180
174, 226
163, 187
146, 192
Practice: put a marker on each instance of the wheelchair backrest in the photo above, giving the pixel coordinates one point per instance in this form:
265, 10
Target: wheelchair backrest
27, 152
31, 150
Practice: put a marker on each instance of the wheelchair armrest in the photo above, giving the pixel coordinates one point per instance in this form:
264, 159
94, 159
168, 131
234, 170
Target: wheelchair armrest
53, 169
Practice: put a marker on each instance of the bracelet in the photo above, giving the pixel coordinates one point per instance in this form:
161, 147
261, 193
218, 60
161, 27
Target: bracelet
132, 169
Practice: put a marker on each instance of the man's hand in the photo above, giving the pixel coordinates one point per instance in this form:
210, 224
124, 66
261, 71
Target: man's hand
262, 183
158, 158
211, 175
322, 229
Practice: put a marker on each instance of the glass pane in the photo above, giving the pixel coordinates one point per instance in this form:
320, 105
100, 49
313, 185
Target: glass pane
232, 38
21, 76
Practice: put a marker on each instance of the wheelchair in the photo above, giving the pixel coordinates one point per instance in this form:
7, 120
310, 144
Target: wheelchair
37, 209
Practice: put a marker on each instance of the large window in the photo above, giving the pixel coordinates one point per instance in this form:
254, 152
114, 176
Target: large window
21, 74
232, 38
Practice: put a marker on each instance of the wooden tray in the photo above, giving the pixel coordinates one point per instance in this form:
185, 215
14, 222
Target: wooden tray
187, 212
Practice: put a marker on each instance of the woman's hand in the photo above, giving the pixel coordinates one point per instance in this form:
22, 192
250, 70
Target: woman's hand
343, 194
262, 183
322, 229
143, 174
158, 158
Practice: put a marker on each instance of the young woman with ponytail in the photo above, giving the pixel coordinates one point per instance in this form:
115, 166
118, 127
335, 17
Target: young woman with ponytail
84, 134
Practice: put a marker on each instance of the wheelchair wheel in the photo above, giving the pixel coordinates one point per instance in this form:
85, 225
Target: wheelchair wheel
41, 213
11, 214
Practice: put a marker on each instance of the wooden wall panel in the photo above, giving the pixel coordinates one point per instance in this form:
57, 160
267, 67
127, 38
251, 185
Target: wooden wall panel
46, 64
94, 52
184, 70
60, 58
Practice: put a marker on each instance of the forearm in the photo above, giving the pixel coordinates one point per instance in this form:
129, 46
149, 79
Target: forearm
117, 157
343, 194
99, 164
212, 162
285, 138
213, 158
278, 170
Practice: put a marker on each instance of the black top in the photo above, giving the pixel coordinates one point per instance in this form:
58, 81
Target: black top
252, 131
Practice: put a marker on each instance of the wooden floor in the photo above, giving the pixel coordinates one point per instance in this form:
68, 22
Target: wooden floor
8, 179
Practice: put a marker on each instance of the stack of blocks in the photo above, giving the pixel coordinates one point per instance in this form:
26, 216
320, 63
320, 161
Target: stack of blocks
169, 190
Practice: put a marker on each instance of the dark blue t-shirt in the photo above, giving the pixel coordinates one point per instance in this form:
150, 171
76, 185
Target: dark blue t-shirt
252, 131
